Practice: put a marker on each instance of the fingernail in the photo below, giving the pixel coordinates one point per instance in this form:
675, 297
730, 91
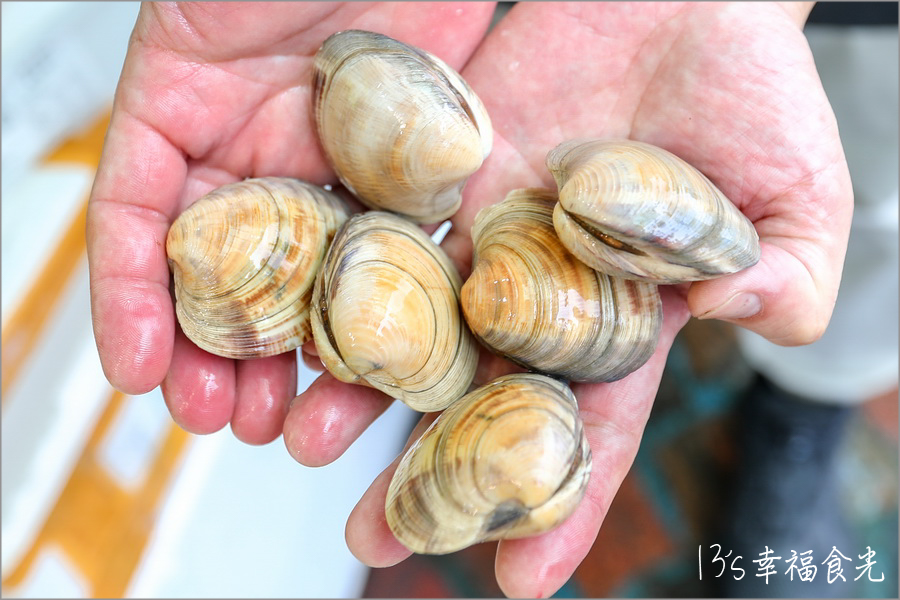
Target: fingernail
739, 306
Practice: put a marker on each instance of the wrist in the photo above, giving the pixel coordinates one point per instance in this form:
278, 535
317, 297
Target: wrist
798, 11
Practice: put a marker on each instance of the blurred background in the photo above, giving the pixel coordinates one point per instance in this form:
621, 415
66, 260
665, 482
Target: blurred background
103, 496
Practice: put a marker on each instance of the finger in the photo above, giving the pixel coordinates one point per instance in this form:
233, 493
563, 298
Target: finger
787, 297
127, 223
199, 388
326, 419
614, 416
310, 348
368, 535
491, 366
265, 386
310, 355
312, 362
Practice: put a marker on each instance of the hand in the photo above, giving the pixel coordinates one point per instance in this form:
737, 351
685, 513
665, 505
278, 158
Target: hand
211, 94
730, 88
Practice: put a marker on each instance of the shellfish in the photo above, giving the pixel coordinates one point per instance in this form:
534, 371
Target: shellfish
635, 210
529, 300
508, 460
400, 128
244, 258
386, 313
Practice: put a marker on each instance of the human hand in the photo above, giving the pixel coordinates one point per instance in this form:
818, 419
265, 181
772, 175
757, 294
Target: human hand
730, 88
210, 94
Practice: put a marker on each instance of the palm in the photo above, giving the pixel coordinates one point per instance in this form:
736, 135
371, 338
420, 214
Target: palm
235, 102
205, 100
709, 85
210, 94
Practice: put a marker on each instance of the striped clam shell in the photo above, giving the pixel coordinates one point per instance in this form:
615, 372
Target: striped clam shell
386, 313
634, 210
400, 128
530, 300
508, 460
244, 259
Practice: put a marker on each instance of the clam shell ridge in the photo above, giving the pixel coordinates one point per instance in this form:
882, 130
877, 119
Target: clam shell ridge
635, 210
530, 300
386, 313
508, 460
244, 259
401, 129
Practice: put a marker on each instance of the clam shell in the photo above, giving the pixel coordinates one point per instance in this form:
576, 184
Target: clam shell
634, 210
508, 460
244, 258
401, 129
530, 300
386, 313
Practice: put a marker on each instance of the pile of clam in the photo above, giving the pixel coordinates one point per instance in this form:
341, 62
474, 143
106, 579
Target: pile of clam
563, 283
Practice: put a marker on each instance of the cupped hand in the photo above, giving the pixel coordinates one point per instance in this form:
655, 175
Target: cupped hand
730, 88
205, 99
212, 93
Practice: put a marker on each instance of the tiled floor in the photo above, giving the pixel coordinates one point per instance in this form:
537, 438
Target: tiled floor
673, 499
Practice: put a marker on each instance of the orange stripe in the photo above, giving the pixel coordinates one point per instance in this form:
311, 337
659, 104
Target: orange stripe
28, 320
26, 324
102, 528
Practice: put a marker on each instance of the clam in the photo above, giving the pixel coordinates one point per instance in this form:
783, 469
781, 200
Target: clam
530, 300
635, 210
508, 460
401, 129
244, 258
386, 313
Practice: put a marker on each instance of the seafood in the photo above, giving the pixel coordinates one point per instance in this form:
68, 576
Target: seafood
401, 129
244, 258
634, 210
530, 300
386, 313
508, 460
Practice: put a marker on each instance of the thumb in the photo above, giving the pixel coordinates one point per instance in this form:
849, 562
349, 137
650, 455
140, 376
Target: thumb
784, 298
